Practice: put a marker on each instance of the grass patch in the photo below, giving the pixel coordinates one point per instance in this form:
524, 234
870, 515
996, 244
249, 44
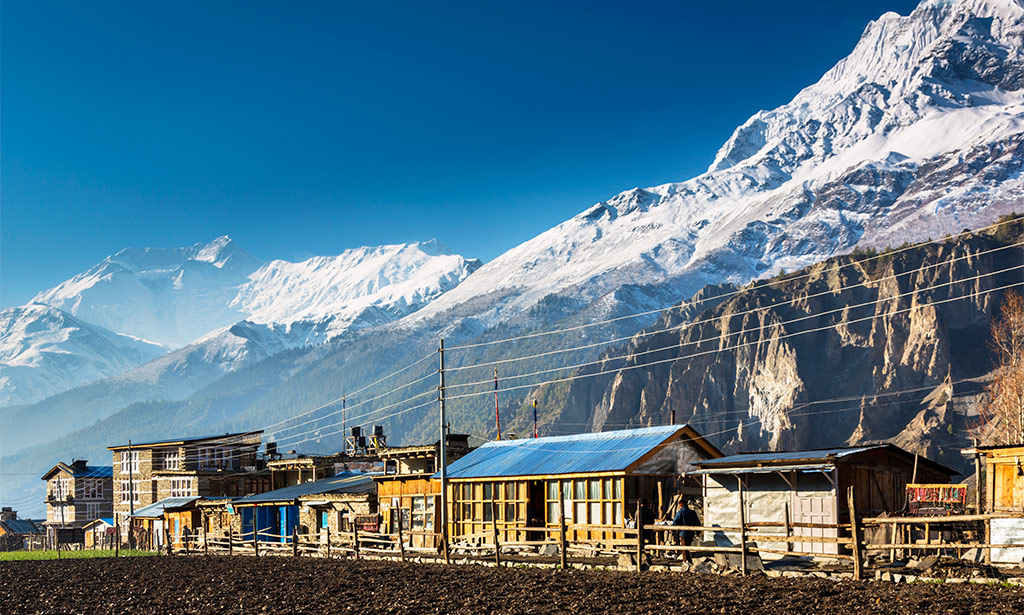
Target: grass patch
10, 556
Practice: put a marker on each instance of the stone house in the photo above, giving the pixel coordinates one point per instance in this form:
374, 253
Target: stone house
76, 494
208, 466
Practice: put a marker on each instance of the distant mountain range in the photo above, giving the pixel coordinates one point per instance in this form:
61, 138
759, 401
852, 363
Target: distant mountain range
918, 133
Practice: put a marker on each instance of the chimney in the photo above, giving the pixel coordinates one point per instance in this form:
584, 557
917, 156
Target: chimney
79, 464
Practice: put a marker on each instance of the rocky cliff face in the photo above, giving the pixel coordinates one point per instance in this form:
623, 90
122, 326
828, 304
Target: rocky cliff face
855, 348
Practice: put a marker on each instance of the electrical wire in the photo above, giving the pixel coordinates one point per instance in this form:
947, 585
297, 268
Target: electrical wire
647, 333
752, 287
740, 331
679, 358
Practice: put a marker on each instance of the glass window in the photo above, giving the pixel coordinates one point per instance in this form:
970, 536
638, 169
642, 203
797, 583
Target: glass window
595, 513
617, 483
552, 490
581, 489
488, 491
608, 518
581, 512
595, 489
510, 491
552, 511
510, 512
567, 490
618, 513
607, 488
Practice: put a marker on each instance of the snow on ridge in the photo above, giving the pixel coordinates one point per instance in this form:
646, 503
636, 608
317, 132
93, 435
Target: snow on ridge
947, 78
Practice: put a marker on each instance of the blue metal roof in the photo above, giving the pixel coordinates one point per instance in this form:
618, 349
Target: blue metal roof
157, 509
77, 472
93, 472
348, 482
20, 526
771, 457
607, 451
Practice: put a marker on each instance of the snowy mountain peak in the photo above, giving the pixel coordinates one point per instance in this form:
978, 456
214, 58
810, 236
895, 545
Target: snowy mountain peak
888, 146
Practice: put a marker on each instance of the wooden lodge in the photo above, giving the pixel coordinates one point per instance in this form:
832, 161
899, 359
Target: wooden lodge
406, 490
810, 487
595, 478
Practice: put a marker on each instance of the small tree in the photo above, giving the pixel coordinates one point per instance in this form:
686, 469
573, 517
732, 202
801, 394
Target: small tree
1002, 411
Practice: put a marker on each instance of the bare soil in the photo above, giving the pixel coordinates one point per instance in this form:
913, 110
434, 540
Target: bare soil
222, 584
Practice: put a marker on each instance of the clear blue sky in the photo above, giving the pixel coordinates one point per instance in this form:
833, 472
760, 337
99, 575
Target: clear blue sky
303, 128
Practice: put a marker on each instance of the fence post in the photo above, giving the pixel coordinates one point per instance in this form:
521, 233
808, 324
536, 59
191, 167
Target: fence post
169, 539
255, 541
401, 536
328, 540
494, 532
789, 529
988, 541
185, 535
858, 573
562, 542
117, 536
743, 529
295, 541
639, 538
231, 541
355, 540
206, 542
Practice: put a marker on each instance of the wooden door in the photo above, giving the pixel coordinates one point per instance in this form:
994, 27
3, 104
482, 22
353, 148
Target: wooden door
814, 509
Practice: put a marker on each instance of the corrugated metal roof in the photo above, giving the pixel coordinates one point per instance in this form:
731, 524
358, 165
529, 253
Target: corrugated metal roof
771, 457
349, 482
87, 472
93, 472
20, 526
607, 451
157, 509
816, 467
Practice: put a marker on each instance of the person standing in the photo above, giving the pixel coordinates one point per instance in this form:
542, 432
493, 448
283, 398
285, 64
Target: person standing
685, 516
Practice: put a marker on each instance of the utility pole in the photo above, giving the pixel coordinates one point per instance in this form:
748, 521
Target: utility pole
344, 436
444, 457
131, 497
535, 433
497, 417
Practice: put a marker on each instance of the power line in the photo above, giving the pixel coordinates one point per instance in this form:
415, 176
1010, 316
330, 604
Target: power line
741, 331
679, 358
866, 283
732, 293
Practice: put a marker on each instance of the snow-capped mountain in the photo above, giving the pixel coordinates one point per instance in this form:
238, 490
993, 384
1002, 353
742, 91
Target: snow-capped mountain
918, 133
44, 350
228, 307
170, 296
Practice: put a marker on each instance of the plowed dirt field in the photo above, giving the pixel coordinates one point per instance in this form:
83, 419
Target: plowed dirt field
220, 584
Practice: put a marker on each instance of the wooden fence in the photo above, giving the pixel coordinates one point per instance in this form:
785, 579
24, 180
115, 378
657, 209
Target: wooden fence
906, 536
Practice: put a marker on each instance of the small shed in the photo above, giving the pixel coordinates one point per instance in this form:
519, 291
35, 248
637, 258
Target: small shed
595, 478
810, 487
312, 507
99, 533
1004, 478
